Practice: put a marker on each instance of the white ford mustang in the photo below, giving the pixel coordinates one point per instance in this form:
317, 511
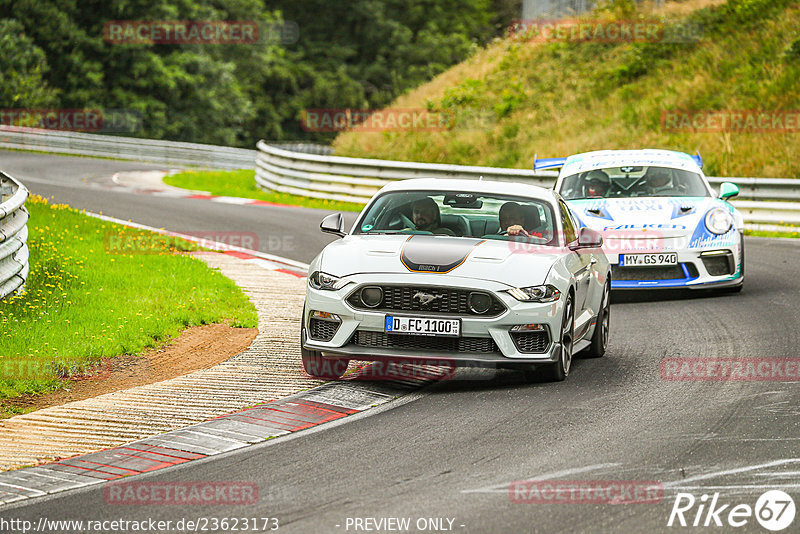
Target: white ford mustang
663, 225
460, 272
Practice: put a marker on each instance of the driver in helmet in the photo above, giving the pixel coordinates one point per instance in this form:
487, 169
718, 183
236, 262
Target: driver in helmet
659, 180
596, 184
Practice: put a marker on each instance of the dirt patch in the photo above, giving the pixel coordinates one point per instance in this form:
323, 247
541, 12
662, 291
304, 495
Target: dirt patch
198, 347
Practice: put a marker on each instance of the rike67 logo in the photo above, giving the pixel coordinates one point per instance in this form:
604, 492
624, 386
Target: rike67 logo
774, 510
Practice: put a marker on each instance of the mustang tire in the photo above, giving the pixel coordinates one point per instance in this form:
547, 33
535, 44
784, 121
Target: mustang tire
319, 367
558, 371
600, 337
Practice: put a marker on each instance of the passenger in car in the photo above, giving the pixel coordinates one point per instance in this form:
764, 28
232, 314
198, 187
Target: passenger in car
427, 218
512, 221
658, 181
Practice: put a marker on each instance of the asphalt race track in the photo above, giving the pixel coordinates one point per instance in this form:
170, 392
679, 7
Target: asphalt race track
85, 183
452, 451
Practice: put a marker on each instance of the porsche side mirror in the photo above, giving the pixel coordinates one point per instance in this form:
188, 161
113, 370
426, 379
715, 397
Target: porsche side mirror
728, 190
587, 238
333, 224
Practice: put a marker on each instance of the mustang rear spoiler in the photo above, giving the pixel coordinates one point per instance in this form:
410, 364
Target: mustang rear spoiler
547, 163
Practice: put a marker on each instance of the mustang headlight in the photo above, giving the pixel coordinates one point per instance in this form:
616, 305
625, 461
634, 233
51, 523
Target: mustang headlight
546, 293
320, 280
719, 221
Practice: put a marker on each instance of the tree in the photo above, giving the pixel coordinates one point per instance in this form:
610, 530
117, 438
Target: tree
23, 65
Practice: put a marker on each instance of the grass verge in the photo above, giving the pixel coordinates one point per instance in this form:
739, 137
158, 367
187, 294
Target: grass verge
242, 184
86, 301
793, 233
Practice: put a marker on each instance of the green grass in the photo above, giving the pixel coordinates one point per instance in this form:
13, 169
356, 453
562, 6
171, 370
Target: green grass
98, 290
561, 98
794, 233
242, 184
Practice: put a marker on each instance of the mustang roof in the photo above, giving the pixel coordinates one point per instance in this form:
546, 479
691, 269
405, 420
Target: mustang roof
616, 158
472, 186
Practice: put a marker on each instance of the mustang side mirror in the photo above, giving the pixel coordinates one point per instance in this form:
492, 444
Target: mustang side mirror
587, 238
333, 224
728, 190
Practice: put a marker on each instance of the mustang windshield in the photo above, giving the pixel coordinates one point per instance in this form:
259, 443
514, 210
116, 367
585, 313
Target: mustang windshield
459, 214
633, 181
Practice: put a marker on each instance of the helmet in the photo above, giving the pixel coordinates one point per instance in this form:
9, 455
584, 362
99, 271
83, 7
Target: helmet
595, 184
658, 178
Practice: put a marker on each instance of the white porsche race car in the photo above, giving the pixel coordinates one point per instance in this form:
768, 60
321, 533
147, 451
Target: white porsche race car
663, 225
458, 272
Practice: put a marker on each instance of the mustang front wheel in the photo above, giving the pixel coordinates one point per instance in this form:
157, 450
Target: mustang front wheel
558, 371
600, 337
319, 367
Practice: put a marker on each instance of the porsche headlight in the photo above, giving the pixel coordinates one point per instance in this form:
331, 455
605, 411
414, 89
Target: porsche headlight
719, 221
320, 280
546, 293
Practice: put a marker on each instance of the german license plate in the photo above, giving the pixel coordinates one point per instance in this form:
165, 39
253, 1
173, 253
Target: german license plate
422, 326
648, 260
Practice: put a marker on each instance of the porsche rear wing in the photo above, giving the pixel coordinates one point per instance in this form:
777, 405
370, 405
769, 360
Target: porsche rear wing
547, 163
556, 163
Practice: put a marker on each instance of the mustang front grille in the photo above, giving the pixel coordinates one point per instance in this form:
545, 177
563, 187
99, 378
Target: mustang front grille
486, 345
531, 342
431, 299
320, 330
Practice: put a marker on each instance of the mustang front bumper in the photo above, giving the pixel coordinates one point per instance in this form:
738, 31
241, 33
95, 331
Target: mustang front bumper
483, 341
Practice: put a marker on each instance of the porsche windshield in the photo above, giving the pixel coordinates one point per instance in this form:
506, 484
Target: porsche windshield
633, 181
460, 214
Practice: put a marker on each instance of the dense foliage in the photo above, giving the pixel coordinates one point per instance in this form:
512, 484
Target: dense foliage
520, 97
359, 53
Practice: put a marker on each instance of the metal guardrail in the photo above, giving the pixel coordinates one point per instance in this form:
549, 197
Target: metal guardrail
112, 146
306, 148
765, 203
13, 235
356, 180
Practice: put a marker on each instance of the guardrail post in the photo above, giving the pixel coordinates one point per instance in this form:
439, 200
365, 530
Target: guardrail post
14, 258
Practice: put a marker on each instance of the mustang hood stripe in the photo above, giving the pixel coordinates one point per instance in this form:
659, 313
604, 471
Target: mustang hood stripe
436, 254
